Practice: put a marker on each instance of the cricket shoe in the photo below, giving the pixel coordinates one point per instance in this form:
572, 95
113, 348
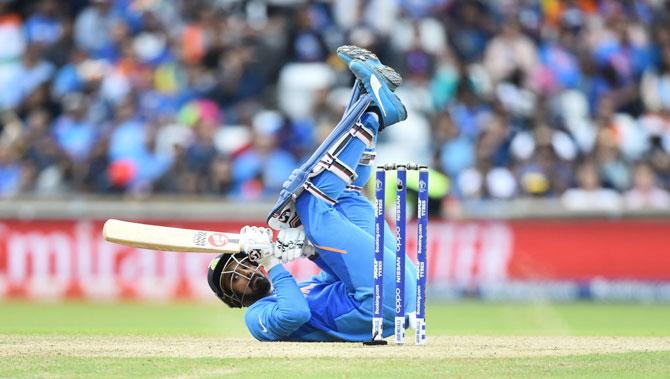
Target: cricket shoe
349, 53
378, 80
380, 88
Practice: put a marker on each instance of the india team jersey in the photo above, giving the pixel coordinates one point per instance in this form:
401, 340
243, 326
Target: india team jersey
325, 308
334, 313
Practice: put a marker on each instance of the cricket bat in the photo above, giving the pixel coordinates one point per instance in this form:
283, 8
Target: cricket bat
166, 238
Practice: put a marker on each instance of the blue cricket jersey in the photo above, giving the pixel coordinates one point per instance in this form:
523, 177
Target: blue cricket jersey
323, 308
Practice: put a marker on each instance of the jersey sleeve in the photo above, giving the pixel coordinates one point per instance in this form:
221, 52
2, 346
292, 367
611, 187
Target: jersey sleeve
316, 258
275, 320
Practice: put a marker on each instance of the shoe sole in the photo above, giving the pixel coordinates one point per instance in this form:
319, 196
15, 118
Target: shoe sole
350, 52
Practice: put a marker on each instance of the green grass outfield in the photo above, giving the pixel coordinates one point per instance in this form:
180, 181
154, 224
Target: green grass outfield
466, 339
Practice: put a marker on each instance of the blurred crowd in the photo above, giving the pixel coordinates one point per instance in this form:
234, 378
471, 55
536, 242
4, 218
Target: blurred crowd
507, 98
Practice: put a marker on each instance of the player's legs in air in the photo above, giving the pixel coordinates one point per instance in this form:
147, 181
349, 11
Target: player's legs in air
337, 220
339, 242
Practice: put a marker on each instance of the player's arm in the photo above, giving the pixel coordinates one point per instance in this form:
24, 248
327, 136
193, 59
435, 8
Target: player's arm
276, 320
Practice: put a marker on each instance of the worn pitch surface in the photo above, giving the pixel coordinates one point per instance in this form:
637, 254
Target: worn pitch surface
216, 347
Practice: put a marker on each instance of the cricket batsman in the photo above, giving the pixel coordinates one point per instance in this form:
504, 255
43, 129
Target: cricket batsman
322, 215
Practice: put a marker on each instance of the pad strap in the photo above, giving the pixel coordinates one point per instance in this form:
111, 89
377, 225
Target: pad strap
311, 188
354, 188
336, 166
363, 133
367, 158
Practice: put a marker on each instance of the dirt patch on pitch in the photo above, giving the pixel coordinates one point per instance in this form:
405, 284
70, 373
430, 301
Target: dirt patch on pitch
438, 347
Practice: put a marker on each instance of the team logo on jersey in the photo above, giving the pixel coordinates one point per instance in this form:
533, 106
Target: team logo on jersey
217, 239
263, 328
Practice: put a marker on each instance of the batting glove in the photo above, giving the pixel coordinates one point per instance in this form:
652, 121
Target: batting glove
292, 244
256, 242
269, 261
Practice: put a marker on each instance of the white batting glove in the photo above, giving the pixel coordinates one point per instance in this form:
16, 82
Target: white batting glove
269, 261
256, 242
292, 244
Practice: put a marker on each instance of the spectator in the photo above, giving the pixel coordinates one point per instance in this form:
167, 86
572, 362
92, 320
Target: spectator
559, 57
458, 151
132, 142
470, 29
645, 192
655, 85
590, 195
264, 166
25, 77
93, 27
73, 133
221, 178
45, 26
510, 51
307, 42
